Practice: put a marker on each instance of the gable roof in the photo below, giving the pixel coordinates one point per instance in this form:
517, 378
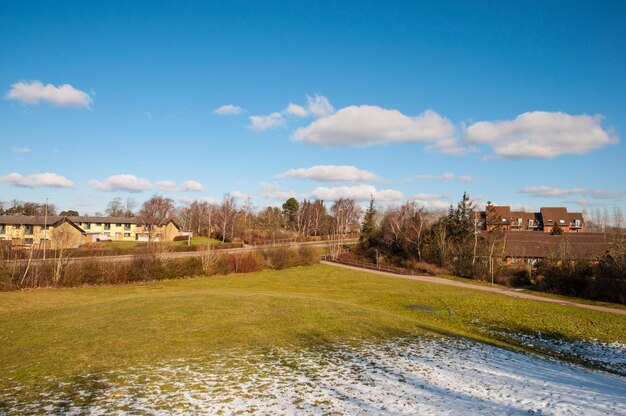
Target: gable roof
554, 214
499, 211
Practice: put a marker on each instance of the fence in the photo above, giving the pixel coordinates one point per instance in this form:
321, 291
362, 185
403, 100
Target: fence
272, 242
367, 265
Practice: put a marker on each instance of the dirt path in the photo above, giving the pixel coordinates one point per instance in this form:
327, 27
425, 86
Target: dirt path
503, 291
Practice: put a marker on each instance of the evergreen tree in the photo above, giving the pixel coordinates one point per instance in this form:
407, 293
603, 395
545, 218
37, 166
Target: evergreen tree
290, 209
368, 228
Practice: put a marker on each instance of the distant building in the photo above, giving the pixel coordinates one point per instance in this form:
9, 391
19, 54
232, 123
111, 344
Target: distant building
23, 230
542, 221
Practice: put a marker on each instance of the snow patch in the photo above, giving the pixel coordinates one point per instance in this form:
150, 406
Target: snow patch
405, 376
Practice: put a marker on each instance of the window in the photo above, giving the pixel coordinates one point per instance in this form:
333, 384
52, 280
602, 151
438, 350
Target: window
126, 227
28, 241
503, 219
577, 223
3, 229
107, 226
126, 234
118, 225
562, 221
28, 230
87, 226
530, 223
549, 221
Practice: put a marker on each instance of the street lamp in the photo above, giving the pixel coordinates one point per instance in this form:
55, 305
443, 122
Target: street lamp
45, 229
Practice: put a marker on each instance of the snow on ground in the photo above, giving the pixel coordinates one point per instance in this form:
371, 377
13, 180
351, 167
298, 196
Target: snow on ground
608, 356
416, 376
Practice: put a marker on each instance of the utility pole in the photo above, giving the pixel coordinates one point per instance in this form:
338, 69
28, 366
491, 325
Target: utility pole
45, 229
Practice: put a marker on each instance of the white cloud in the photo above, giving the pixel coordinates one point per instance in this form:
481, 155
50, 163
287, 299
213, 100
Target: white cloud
262, 123
16, 149
38, 180
34, 92
431, 201
550, 192
542, 134
447, 176
429, 197
270, 191
171, 186
296, 110
319, 106
368, 125
167, 186
228, 110
357, 192
331, 173
192, 186
208, 199
239, 195
124, 182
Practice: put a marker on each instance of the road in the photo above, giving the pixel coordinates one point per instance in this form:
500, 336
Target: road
500, 290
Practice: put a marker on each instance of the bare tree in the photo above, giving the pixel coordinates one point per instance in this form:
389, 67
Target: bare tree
155, 211
270, 221
347, 214
62, 240
129, 207
225, 216
115, 208
618, 220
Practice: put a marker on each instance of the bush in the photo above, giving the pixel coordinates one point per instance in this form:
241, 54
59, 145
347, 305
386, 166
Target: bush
308, 256
281, 258
244, 263
425, 268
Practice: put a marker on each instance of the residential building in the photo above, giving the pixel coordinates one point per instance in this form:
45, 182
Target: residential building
543, 221
27, 231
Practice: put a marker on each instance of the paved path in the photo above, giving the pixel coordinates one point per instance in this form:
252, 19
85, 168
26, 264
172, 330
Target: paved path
503, 291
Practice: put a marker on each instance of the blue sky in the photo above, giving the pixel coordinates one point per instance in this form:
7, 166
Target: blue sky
520, 104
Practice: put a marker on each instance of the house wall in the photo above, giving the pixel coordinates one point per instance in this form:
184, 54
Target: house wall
17, 233
65, 236
116, 232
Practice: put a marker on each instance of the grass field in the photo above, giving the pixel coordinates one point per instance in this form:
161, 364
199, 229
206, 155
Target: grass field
60, 334
195, 241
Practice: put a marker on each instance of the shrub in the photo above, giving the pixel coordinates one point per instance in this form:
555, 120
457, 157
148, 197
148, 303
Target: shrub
281, 258
425, 268
244, 263
308, 256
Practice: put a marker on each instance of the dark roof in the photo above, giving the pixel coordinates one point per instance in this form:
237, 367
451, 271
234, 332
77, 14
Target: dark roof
52, 220
112, 220
556, 214
70, 222
499, 211
29, 219
576, 216
532, 244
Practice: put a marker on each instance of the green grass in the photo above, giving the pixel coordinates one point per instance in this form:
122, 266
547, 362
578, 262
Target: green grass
195, 241
63, 333
123, 244
198, 240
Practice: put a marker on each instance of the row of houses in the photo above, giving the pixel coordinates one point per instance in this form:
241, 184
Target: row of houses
27, 231
542, 221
